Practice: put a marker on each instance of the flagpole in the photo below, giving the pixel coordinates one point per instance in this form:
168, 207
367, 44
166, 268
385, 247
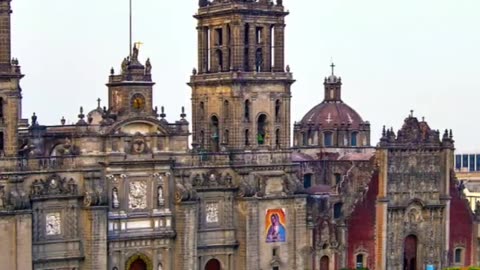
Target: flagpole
130, 44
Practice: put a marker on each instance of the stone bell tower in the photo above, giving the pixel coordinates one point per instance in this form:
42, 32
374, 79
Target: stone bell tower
10, 91
241, 90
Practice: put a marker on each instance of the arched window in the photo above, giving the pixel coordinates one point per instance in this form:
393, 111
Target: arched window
226, 135
215, 134
261, 129
226, 109
328, 139
459, 256
277, 110
247, 110
304, 139
354, 139
201, 111
247, 137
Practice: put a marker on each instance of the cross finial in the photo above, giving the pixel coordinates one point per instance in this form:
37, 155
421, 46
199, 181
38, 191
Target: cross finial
333, 68
98, 102
411, 113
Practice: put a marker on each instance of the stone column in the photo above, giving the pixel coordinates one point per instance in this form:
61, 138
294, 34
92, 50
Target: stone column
186, 242
95, 227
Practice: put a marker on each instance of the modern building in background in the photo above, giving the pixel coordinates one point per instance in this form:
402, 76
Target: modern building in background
122, 189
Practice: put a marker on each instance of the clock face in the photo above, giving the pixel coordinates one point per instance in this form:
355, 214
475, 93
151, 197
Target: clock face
138, 102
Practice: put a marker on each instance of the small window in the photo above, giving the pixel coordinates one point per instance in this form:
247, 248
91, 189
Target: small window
458, 256
465, 161
226, 109
277, 110
337, 210
361, 261
247, 137
247, 110
261, 129
274, 252
478, 163
458, 162
472, 163
219, 36
201, 111
275, 268
338, 178
307, 180
277, 137
353, 141
328, 139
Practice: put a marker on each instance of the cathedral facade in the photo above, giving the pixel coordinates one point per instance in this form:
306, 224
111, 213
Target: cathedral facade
125, 189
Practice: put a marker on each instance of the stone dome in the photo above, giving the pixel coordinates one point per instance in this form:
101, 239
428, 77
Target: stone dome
332, 114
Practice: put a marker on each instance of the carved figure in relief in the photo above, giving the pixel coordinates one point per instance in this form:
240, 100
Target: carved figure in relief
115, 201
137, 198
160, 200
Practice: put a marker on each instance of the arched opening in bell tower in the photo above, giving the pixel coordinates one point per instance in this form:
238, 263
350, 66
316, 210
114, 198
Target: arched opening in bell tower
215, 134
410, 253
261, 129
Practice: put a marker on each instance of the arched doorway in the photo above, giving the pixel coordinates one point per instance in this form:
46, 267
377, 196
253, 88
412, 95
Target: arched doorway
324, 262
213, 264
410, 253
138, 264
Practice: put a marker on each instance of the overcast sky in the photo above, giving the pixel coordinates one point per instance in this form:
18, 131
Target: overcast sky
393, 56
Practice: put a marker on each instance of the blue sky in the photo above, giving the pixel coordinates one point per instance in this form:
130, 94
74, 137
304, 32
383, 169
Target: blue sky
393, 56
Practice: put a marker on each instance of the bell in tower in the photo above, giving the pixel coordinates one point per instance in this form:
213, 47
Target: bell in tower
240, 89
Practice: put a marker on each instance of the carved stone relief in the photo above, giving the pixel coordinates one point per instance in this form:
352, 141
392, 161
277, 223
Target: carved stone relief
211, 213
53, 224
137, 197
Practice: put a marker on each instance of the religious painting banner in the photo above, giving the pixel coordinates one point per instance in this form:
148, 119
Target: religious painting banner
275, 225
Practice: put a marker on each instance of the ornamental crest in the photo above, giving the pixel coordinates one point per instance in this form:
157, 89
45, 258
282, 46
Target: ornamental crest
137, 197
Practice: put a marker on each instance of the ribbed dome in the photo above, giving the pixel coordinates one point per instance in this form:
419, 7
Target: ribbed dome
331, 114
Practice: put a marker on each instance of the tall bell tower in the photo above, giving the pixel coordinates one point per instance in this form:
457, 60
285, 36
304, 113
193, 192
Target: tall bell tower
240, 89
10, 91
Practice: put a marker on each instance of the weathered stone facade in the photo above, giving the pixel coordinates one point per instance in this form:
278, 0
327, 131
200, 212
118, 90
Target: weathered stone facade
121, 189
